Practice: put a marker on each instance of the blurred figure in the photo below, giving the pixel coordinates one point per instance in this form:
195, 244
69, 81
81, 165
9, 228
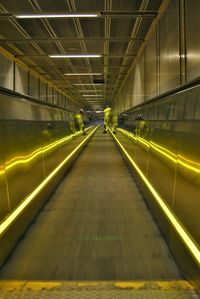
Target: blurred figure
72, 124
107, 118
47, 132
139, 117
140, 126
79, 121
114, 123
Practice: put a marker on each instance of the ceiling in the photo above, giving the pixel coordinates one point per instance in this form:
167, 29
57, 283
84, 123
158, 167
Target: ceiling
116, 34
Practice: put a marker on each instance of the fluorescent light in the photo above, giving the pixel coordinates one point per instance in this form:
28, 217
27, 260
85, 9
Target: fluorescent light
75, 56
82, 74
39, 16
88, 84
92, 90
91, 95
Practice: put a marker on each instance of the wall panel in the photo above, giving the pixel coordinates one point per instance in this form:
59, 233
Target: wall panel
49, 94
6, 74
169, 48
27, 131
140, 80
33, 86
43, 91
151, 84
21, 80
193, 38
15, 77
4, 200
165, 146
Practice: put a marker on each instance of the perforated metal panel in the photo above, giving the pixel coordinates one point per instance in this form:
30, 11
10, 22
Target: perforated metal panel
21, 80
33, 86
4, 202
151, 69
6, 74
169, 48
42, 91
141, 78
49, 94
193, 38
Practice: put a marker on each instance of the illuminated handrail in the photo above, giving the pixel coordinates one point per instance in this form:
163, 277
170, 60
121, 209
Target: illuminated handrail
176, 224
15, 213
176, 158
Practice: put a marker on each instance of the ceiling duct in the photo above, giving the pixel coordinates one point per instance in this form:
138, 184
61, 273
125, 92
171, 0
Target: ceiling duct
98, 81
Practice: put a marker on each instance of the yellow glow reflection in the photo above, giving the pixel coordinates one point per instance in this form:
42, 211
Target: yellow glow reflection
178, 159
26, 159
182, 232
11, 217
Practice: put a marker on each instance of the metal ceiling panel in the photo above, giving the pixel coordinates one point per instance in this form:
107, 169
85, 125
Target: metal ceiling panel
118, 48
97, 47
52, 48
92, 27
17, 6
153, 5
116, 34
144, 27
126, 5
122, 27
34, 28
64, 27
26, 48
93, 5
52, 5
8, 30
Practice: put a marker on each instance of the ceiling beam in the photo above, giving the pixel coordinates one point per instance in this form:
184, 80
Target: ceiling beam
129, 14
77, 39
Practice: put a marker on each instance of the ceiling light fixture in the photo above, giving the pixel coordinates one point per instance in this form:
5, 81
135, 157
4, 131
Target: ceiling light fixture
75, 56
82, 74
88, 84
92, 90
40, 16
91, 95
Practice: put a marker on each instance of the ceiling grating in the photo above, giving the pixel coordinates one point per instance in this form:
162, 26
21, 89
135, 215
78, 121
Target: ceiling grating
115, 33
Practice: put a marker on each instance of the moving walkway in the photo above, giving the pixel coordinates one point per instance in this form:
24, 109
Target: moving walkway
95, 237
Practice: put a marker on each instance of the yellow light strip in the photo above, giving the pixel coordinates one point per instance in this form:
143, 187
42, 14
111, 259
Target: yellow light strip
178, 159
165, 152
163, 148
11, 218
188, 166
143, 141
193, 248
190, 161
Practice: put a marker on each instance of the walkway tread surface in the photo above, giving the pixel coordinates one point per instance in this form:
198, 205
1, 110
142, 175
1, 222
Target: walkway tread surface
97, 290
